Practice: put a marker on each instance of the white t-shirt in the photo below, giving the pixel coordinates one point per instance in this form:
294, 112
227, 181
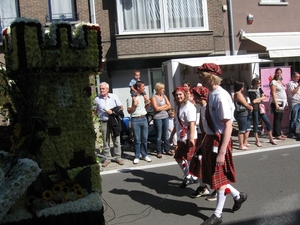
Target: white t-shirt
186, 113
220, 107
203, 120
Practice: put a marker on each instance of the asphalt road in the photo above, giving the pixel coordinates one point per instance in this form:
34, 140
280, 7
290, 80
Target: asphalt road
152, 196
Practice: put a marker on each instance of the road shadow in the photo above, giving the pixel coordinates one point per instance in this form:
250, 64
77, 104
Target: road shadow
165, 205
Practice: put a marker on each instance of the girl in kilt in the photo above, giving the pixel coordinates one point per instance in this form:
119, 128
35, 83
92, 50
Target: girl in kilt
217, 163
200, 94
186, 133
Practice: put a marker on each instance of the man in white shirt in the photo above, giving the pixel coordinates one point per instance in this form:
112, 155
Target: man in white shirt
139, 123
293, 90
105, 103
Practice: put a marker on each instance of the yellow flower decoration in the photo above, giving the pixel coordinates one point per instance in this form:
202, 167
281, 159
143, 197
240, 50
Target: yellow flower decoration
66, 189
47, 195
78, 193
77, 187
57, 188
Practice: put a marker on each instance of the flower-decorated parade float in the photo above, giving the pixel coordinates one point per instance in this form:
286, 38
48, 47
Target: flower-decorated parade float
48, 172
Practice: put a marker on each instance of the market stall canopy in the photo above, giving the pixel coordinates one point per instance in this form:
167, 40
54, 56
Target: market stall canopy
224, 60
279, 44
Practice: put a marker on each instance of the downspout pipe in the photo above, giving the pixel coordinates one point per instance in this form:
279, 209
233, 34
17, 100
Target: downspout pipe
92, 11
231, 30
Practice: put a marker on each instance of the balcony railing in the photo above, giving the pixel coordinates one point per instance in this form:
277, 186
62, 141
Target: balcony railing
62, 17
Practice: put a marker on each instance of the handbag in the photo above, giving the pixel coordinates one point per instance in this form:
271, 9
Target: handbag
239, 107
262, 109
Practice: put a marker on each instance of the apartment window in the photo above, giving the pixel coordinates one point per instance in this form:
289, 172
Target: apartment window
62, 10
159, 16
9, 11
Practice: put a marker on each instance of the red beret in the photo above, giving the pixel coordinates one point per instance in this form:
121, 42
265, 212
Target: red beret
180, 88
210, 68
201, 91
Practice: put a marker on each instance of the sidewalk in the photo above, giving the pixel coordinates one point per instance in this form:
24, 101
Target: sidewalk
128, 153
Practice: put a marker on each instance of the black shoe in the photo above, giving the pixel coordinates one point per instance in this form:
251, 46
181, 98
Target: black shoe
213, 220
200, 192
185, 183
188, 181
212, 196
238, 203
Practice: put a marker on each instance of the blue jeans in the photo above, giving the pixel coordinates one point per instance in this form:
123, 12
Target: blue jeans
140, 135
264, 118
243, 123
162, 134
295, 117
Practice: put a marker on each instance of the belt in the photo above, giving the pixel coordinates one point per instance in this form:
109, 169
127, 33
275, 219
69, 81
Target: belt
138, 117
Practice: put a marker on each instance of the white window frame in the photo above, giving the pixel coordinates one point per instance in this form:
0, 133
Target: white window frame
164, 23
273, 2
67, 14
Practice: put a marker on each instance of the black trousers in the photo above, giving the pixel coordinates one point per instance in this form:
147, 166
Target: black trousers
276, 121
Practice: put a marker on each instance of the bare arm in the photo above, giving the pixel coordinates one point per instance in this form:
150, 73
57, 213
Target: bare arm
241, 99
158, 108
295, 90
131, 109
225, 140
192, 133
273, 94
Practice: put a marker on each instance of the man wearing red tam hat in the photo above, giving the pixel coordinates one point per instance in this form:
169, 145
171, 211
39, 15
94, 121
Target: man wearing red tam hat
200, 94
217, 162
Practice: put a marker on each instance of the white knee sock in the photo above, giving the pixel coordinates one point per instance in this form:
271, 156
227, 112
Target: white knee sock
221, 198
235, 193
184, 165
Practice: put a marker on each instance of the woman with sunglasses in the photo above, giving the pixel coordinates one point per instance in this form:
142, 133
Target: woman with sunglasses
257, 96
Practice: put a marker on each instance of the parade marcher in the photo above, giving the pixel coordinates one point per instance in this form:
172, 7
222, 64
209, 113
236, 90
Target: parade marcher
217, 162
200, 94
186, 133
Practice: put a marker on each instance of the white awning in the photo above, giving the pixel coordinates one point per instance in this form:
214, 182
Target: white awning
281, 44
224, 60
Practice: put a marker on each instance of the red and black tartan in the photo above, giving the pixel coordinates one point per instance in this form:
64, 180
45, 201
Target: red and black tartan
183, 151
195, 164
216, 176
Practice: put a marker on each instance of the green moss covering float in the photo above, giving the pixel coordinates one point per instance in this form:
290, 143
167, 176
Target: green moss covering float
49, 174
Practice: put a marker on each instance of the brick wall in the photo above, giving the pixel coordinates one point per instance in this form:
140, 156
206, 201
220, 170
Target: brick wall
183, 44
36, 9
129, 46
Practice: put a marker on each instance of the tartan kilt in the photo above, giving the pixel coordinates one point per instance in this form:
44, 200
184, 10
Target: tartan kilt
199, 139
183, 151
195, 164
195, 167
216, 176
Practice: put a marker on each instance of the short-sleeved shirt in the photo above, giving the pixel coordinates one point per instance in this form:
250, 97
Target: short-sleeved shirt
292, 85
140, 110
103, 104
220, 107
186, 113
132, 82
254, 94
280, 91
